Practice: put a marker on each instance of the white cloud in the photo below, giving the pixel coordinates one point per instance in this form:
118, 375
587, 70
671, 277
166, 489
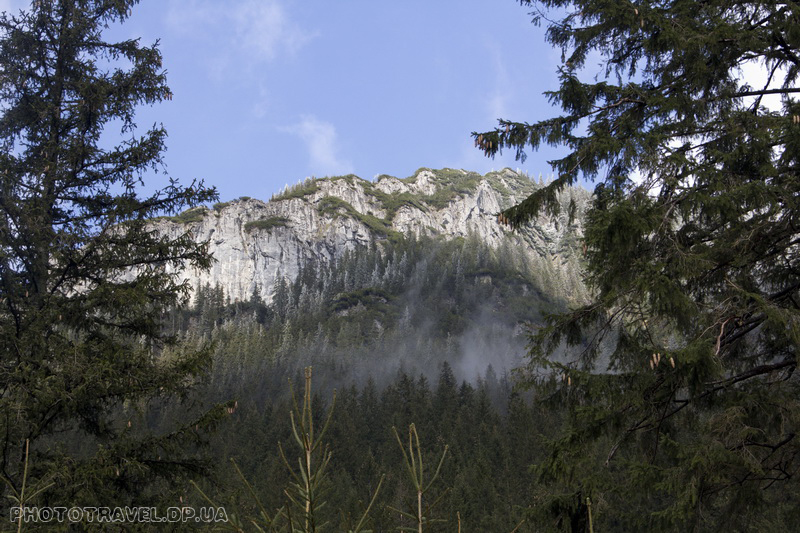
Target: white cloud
261, 30
321, 141
264, 29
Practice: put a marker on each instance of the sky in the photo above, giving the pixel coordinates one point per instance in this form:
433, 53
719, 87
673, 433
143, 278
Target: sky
268, 92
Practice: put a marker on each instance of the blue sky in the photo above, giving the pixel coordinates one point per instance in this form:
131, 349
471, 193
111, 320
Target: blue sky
267, 92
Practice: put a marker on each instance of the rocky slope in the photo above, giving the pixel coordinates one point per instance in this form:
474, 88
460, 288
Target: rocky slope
255, 242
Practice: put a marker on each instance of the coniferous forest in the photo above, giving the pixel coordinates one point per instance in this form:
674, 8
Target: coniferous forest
426, 333
416, 383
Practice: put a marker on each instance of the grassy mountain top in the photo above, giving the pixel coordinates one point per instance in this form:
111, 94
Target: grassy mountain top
448, 184
425, 189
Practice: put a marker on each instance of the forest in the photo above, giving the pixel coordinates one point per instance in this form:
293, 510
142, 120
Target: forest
419, 384
424, 332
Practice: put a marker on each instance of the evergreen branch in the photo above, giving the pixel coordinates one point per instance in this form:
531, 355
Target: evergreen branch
438, 469
763, 92
362, 522
753, 372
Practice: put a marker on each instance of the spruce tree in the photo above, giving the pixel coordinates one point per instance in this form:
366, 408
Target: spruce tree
680, 378
85, 278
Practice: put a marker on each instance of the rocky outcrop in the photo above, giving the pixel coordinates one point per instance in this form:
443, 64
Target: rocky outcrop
256, 242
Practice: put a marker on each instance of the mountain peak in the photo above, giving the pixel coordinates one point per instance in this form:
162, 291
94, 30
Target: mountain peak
255, 242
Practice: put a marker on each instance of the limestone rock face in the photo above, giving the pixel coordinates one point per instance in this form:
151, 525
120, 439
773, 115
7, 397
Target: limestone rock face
256, 242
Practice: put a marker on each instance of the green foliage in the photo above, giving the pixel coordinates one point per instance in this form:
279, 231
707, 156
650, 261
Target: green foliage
483, 479
306, 491
299, 190
303, 512
333, 205
195, 214
266, 224
412, 457
369, 297
85, 280
336, 206
391, 203
219, 206
349, 178
680, 378
422, 303
452, 184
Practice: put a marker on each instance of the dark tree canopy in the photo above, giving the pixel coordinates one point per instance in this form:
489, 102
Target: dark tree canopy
681, 370
84, 281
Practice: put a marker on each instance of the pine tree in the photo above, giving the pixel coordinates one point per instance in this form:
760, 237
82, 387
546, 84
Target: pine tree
85, 278
684, 359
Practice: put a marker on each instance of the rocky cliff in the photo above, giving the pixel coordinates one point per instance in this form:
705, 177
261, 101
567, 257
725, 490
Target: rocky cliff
255, 242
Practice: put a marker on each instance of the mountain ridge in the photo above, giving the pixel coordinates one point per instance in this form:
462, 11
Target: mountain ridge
255, 243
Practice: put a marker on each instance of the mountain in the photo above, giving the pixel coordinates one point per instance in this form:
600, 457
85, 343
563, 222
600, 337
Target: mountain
411, 301
256, 243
